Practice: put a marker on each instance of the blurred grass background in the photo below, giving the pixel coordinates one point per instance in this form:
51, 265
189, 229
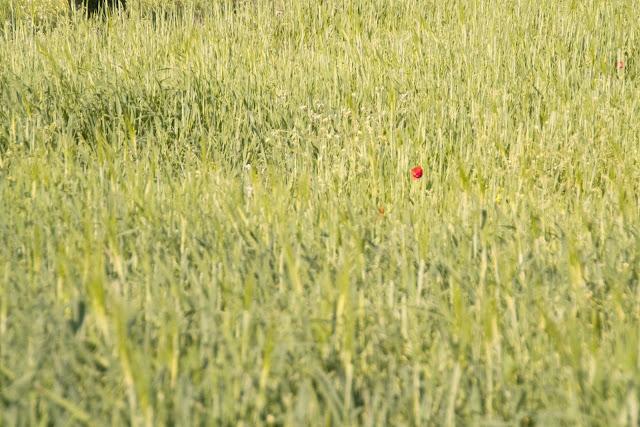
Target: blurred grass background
207, 217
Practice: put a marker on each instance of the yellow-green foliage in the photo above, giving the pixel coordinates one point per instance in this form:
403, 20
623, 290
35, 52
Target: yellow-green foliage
35, 11
207, 216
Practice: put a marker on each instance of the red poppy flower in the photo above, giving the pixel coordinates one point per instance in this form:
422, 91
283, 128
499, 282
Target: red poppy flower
620, 65
416, 172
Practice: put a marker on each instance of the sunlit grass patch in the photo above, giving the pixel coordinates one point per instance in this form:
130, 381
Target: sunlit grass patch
342, 213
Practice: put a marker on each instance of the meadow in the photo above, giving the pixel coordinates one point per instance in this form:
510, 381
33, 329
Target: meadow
207, 215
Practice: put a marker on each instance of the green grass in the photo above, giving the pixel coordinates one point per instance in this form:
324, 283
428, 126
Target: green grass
191, 228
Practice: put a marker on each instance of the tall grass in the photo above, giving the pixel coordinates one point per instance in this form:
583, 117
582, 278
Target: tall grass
207, 217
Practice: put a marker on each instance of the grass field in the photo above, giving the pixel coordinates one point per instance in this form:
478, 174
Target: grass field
207, 215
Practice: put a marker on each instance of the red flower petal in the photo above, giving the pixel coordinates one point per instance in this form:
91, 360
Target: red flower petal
416, 172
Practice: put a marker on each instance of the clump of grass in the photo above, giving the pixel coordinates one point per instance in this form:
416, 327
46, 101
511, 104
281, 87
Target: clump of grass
207, 214
34, 14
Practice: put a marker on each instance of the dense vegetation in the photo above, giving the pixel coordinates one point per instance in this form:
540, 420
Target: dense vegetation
207, 215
